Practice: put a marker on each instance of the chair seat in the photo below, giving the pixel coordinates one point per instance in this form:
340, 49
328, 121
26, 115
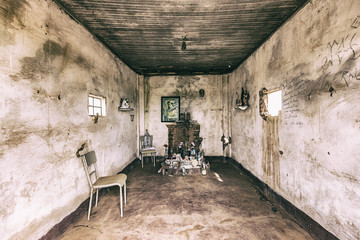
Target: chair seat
116, 180
148, 150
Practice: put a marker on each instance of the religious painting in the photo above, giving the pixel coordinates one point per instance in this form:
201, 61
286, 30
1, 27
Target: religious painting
170, 109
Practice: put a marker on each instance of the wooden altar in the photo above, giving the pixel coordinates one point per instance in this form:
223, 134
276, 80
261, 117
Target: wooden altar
186, 132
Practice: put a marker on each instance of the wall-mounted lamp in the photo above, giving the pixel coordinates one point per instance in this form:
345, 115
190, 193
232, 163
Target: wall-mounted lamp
132, 117
332, 91
201, 93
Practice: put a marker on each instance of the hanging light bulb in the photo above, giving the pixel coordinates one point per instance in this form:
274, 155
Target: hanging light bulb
183, 45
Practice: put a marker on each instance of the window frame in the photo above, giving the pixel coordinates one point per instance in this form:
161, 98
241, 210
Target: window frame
101, 107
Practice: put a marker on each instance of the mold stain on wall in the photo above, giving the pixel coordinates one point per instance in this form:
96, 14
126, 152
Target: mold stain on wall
187, 89
12, 12
270, 153
276, 57
9, 205
147, 90
50, 59
46, 83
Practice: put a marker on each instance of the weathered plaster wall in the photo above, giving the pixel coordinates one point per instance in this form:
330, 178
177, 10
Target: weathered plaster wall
48, 66
310, 153
208, 112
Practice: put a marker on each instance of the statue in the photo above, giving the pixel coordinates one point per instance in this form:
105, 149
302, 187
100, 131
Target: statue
226, 141
245, 97
124, 103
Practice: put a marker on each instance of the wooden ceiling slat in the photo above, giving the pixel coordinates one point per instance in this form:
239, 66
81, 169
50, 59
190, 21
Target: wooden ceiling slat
148, 33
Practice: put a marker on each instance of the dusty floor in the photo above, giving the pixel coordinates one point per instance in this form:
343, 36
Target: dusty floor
221, 205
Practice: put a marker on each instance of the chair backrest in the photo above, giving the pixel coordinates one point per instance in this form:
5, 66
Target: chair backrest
146, 141
89, 162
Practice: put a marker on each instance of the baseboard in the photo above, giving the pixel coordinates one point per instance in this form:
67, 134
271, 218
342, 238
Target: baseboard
211, 159
56, 231
305, 221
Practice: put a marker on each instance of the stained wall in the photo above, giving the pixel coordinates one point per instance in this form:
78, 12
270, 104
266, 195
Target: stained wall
210, 111
48, 66
310, 153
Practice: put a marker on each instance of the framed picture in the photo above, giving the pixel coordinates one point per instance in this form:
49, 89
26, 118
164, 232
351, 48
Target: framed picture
170, 109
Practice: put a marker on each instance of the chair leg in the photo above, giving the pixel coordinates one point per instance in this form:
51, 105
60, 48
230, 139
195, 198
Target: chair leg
153, 157
97, 197
121, 203
125, 192
91, 195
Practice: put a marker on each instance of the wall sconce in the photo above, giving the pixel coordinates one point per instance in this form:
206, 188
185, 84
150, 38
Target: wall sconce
202, 93
132, 117
332, 91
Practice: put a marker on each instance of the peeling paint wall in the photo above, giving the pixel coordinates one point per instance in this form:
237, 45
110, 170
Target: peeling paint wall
48, 66
208, 111
310, 153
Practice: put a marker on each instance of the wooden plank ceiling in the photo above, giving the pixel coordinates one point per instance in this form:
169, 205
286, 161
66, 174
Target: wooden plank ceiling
148, 34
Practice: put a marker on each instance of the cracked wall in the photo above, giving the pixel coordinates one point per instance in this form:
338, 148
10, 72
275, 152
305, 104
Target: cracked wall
309, 154
48, 66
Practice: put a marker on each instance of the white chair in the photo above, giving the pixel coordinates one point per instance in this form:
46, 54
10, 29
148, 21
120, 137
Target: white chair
96, 182
146, 148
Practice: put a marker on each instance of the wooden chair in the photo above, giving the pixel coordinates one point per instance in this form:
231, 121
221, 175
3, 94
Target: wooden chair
146, 148
96, 182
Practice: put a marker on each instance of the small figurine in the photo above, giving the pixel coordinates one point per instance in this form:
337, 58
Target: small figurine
203, 168
194, 162
226, 141
124, 103
166, 154
192, 149
181, 149
244, 97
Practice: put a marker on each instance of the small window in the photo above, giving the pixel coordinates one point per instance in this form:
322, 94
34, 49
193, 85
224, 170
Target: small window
97, 106
274, 103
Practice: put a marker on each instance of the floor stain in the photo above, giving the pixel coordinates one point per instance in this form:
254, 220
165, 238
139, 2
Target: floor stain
227, 220
187, 207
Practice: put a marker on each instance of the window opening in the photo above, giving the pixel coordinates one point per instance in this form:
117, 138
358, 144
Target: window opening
97, 106
274, 103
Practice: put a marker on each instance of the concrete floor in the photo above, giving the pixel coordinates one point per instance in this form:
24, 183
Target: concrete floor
221, 205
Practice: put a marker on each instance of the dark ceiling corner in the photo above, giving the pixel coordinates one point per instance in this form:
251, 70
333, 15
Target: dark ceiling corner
96, 36
287, 19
